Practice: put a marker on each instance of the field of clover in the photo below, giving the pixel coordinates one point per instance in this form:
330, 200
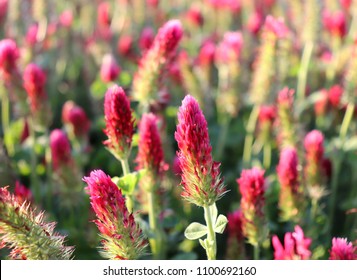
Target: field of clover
205, 129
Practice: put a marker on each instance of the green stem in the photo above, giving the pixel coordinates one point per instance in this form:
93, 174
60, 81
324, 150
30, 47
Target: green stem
222, 138
334, 186
248, 143
346, 121
211, 249
157, 239
256, 252
48, 157
267, 155
129, 197
302, 78
5, 117
34, 178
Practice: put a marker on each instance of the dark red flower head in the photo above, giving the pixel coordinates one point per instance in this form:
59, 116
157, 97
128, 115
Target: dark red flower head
342, 250
76, 117
200, 176
109, 70
60, 149
119, 122
9, 54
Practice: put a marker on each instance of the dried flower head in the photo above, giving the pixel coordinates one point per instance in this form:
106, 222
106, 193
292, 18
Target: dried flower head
342, 249
122, 237
201, 180
296, 246
27, 234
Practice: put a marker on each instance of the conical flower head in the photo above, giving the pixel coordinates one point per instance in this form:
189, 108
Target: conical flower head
76, 118
147, 80
288, 169
109, 70
150, 154
342, 249
296, 246
60, 149
9, 54
200, 175
122, 237
119, 122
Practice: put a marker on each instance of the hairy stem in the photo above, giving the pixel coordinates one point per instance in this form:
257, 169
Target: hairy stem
302, 77
211, 249
248, 143
129, 197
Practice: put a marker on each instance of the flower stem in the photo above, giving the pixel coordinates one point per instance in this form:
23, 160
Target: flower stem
256, 251
5, 117
129, 197
302, 78
157, 240
34, 178
211, 249
48, 157
267, 155
222, 138
346, 121
247, 153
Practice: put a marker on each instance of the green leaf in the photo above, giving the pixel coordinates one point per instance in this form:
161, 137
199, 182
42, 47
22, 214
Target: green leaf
350, 144
98, 89
195, 231
128, 182
220, 224
203, 243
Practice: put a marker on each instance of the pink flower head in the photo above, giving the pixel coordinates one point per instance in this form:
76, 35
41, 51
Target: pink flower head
252, 188
125, 45
231, 5
31, 35
9, 54
76, 117
286, 97
342, 250
202, 184
314, 145
207, 53
276, 26
152, 66
255, 23
34, 83
230, 48
321, 104
103, 18
60, 149
109, 70
235, 224
66, 18
122, 236
267, 113
346, 4
168, 37
335, 23
296, 246
194, 15
334, 95
119, 122
22, 193
146, 38
288, 168
176, 169
3, 10
150, 154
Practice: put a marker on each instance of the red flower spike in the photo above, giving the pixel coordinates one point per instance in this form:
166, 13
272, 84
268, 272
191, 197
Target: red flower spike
109, 70
201, 180
335, 23
119, 122
150, 155
276, 26
230, 48
76, 118
9, 54
342, 249
235, 225
296, 246
60, 149
288, 169
267, 113
314, 145
122, 237
34, 83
